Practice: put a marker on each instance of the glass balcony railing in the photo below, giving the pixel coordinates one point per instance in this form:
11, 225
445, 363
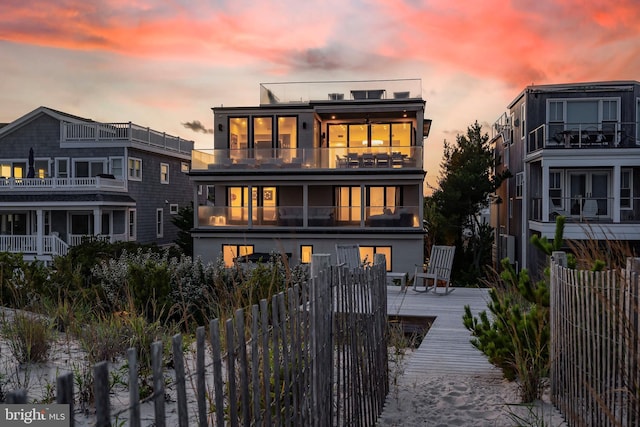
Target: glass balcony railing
310, 217
584, 135
308, 158
306, 92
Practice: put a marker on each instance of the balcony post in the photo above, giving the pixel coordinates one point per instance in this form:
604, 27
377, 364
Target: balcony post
616, 194
40, 232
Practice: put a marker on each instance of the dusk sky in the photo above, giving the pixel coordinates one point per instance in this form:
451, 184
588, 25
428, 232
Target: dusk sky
164, 64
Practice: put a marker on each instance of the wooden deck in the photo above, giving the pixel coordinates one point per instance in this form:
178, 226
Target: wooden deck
446, 349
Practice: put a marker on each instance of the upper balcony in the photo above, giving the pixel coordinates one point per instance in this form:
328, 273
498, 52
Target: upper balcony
344, 158
307, 92
584, 135
127, 132
21, 185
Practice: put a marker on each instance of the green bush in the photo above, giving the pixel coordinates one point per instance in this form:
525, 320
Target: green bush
29, 337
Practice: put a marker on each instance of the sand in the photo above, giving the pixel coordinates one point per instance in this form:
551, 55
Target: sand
463, 401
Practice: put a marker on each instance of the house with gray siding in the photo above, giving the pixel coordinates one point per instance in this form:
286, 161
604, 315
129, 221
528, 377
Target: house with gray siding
315, 164
573, 150
64, 177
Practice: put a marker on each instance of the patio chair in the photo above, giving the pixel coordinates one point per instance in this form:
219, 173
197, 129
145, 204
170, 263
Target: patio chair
590, 209
438, 270
559, 211
348, 255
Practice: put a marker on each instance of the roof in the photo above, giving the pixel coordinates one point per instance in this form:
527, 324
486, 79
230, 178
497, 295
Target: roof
58, 115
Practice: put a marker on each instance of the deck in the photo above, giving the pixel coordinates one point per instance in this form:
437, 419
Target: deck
446, 349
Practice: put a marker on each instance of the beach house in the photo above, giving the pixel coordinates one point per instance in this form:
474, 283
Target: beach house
573, 150
313, 165
64, 178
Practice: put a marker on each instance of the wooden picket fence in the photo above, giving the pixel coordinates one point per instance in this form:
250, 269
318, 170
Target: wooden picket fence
313, 356
595, 347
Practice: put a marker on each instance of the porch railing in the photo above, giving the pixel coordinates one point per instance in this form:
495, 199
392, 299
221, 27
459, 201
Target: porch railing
62, 184
77, 239
587, 209
130, 132
51, 245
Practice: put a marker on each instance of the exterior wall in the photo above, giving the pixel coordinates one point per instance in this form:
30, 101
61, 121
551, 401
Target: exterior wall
407, 251
150, 194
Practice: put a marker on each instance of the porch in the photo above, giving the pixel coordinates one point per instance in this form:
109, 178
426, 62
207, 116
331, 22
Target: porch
49, 246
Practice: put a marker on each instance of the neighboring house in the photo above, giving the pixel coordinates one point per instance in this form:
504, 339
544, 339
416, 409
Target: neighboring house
313, 165
117, 181
573, 150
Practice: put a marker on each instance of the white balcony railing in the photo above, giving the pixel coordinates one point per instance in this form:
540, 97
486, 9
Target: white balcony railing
62, 184
93, 131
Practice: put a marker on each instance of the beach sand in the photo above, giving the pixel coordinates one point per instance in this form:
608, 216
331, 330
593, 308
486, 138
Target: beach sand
445, 401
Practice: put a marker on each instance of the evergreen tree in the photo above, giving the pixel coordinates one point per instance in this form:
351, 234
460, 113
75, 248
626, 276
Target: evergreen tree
184, 221
468, 177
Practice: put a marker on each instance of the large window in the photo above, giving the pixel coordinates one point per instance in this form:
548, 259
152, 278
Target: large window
263, 202
62, 167
382, 199
555, 189
287, 137
349, 204
367, 254
231, 252
88, 168
238, 137
361, 135
263, 137
116, 165
519, 184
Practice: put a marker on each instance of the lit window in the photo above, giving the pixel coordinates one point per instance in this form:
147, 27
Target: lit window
184, 167
135, 169
231, 252
305, 253
367, 254
164, 173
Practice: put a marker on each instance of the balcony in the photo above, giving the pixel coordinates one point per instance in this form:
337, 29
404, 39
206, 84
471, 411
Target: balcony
339, 91
309, 217
583, 135
127, 132
21, 185
380, 158
587, 210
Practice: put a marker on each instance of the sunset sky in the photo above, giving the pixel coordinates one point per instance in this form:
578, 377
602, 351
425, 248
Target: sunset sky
164, 64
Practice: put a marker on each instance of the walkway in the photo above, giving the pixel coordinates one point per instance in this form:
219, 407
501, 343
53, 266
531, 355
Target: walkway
446, 349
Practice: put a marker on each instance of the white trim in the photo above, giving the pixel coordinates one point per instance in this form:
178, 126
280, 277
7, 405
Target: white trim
134, 173
164, 176
159, 222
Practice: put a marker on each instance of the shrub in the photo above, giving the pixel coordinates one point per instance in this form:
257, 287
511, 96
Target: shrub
29, 337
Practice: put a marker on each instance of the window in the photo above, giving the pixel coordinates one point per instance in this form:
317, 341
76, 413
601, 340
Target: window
370, 135
287, 137
62, 168
88, 168
164, 173
211, 195
381, 199
523, 129
159, 222
348, 202
367, 254
184, 167
305, 253
173, 208
231, 252
135, 169
238, 137
519, 184
116, 167
263, 202
132, 224
555, 188
263, 137
626, 188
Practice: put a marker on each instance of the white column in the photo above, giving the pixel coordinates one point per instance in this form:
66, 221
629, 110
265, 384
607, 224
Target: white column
97, 221
615, 207
544, 196
40, 232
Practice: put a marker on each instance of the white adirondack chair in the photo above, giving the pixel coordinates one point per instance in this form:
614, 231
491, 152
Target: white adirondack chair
349, 256
438, 270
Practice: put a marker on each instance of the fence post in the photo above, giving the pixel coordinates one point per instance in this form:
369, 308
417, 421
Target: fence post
200, 378
633, 348
178, 363
319, 262
134, 393
17, 396
158, 383
64, 393
101, 390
